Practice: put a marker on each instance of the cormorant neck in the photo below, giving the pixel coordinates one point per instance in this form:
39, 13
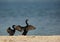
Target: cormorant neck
26, 22
13, 27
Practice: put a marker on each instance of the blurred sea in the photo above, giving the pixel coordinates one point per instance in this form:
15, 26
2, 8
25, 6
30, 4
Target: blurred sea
44, 16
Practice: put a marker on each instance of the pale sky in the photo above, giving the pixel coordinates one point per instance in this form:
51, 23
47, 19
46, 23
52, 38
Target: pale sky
28, 0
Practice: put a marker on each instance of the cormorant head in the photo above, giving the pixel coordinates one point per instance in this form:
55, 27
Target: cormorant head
13, 26
26, 19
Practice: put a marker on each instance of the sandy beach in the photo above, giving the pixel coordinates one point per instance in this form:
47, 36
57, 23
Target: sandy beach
29, 38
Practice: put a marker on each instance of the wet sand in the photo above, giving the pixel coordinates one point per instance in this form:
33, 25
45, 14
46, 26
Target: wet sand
29, 38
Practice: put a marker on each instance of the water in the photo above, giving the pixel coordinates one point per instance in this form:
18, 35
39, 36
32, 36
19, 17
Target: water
44, 16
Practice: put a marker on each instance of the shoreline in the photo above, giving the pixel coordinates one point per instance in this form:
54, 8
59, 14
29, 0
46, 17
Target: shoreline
29, 38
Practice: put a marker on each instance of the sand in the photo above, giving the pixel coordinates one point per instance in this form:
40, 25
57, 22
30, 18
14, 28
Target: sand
29, 38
